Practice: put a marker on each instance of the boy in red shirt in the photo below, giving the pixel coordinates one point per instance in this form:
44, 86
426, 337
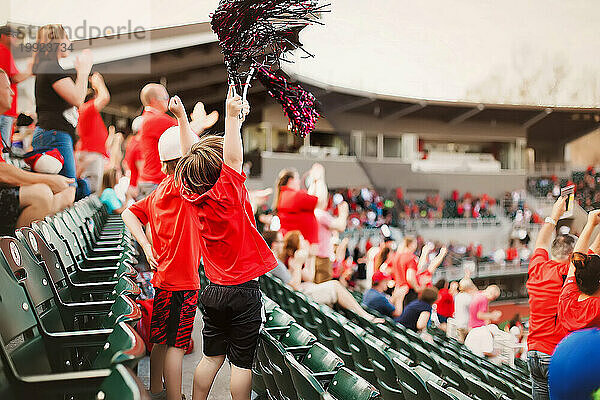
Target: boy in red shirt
174, 255
234, 253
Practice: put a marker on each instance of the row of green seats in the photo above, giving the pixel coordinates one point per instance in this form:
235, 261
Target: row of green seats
397, 360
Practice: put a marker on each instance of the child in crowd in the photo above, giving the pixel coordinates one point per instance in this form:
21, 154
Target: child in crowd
174, 255
234, 253
109, 197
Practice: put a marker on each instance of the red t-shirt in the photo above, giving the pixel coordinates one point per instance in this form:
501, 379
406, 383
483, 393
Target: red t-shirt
480, 303
445, 303
401, 264
296, 211
175, 236
133, 154
233, 250
544, 286
91, 129
7, 63
154, 125
574, 314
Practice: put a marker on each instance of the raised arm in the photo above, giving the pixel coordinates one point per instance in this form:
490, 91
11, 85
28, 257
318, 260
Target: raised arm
583, 242
74, 92
233, 152
186, 136
102, 94
544, 238
437, 261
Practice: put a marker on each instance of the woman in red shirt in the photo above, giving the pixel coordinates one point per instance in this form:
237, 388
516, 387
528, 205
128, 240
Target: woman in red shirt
579, 302
295, 207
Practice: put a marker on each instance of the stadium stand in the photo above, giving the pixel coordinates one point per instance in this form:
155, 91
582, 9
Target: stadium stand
68, 308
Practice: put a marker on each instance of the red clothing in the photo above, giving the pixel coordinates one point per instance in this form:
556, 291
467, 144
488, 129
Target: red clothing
511, 253
401, 264
480, 303
544, 287
91, 129
574, 314
424, 278
133, 154
233, 250
445, 303
296, 211
174, 236
7, 63
153, 126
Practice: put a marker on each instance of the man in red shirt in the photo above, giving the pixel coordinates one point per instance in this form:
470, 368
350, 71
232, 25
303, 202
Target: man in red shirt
155, 99
92, 132
8, 38
546, 277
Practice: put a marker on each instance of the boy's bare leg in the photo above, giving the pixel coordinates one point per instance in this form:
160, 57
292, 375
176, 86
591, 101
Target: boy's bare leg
157, 362
172, 371
205, 375
241, 383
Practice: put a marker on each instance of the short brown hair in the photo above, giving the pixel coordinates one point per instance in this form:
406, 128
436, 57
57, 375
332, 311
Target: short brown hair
429, 295
200, 169
171, 166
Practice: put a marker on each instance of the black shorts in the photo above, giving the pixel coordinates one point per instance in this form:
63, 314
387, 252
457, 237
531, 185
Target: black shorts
173, 315
10, 209
232, 320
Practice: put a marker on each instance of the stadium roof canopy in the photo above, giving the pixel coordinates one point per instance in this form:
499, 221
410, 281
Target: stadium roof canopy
399, 60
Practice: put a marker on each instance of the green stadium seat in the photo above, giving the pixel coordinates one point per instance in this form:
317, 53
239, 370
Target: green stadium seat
318, 311
275, 354
336, 331
474, 369
297, 339
437, 392
321, 361
387, 381
278, 321
453, 375
358, 348
307, 386
347, 385
484, 391
122, 384
501, 384
427, 359
413, 387
263, 368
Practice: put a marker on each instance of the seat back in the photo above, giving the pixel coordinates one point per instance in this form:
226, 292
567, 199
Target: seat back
122, 384
336, 331
20, 333
320, 359
278, 318
125, 285
296, 335
347, 385
381, 362
307, 386
439, 393
276, 356
67, 236
452, 374
32, 275
480, 389
123, 346
56, 244
124, 309
408, 377
362, 364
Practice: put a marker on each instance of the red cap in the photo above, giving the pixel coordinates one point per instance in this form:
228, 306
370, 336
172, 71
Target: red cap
379, 276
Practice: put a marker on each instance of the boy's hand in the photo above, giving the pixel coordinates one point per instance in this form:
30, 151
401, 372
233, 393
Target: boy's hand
176, 107
151, 256
199, 114
235, 106
96, 80
594, 217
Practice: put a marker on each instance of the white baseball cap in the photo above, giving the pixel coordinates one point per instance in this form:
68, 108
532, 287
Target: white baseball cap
169, 147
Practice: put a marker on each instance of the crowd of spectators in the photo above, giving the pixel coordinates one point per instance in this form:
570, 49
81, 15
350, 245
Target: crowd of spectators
586, 187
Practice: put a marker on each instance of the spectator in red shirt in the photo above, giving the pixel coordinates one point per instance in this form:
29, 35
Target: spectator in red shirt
295, 207
234, 253
444, 303
155, 99
8, 38
579, 303
546, 277
92, 155
479, 313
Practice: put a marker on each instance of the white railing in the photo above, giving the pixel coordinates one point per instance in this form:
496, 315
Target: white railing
481, 270
452, 223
